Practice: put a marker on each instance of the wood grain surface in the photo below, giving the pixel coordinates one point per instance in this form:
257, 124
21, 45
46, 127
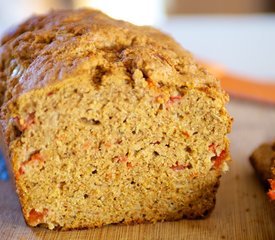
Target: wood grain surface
242, 210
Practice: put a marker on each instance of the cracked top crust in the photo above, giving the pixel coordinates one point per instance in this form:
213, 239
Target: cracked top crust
51, 48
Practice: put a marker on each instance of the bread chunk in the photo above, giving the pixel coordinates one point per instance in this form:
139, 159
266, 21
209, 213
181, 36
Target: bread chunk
263, 161
107, 122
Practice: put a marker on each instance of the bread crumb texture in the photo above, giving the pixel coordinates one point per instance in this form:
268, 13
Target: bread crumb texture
107, 122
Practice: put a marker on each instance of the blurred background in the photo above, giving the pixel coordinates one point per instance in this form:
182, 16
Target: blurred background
218, 6
137, 11
214, 30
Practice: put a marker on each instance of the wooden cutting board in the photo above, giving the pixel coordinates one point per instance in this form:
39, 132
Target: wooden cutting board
242, 210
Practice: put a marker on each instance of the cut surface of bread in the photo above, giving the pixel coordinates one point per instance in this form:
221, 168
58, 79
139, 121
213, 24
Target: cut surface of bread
106, 122
263, 161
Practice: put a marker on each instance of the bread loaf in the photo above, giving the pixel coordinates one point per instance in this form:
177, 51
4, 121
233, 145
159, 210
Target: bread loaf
107, 122
263, 161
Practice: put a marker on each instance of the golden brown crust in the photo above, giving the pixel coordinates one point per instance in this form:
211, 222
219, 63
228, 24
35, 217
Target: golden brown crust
64, 43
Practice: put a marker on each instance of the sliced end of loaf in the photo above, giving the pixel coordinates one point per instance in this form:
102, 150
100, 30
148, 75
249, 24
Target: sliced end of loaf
86, 155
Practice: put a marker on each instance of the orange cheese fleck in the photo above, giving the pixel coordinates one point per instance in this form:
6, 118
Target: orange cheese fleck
34, 158
173, 99
120, 159
212, 148
179, 167
218, 160
151, 83
36, 217
22, 124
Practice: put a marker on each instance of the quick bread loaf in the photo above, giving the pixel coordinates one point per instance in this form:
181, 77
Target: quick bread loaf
263, 161
107, 122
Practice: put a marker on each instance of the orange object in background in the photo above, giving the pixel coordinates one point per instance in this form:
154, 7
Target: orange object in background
243, 87
220, 7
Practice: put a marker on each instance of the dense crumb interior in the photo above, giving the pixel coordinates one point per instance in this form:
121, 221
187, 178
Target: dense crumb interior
117, 152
